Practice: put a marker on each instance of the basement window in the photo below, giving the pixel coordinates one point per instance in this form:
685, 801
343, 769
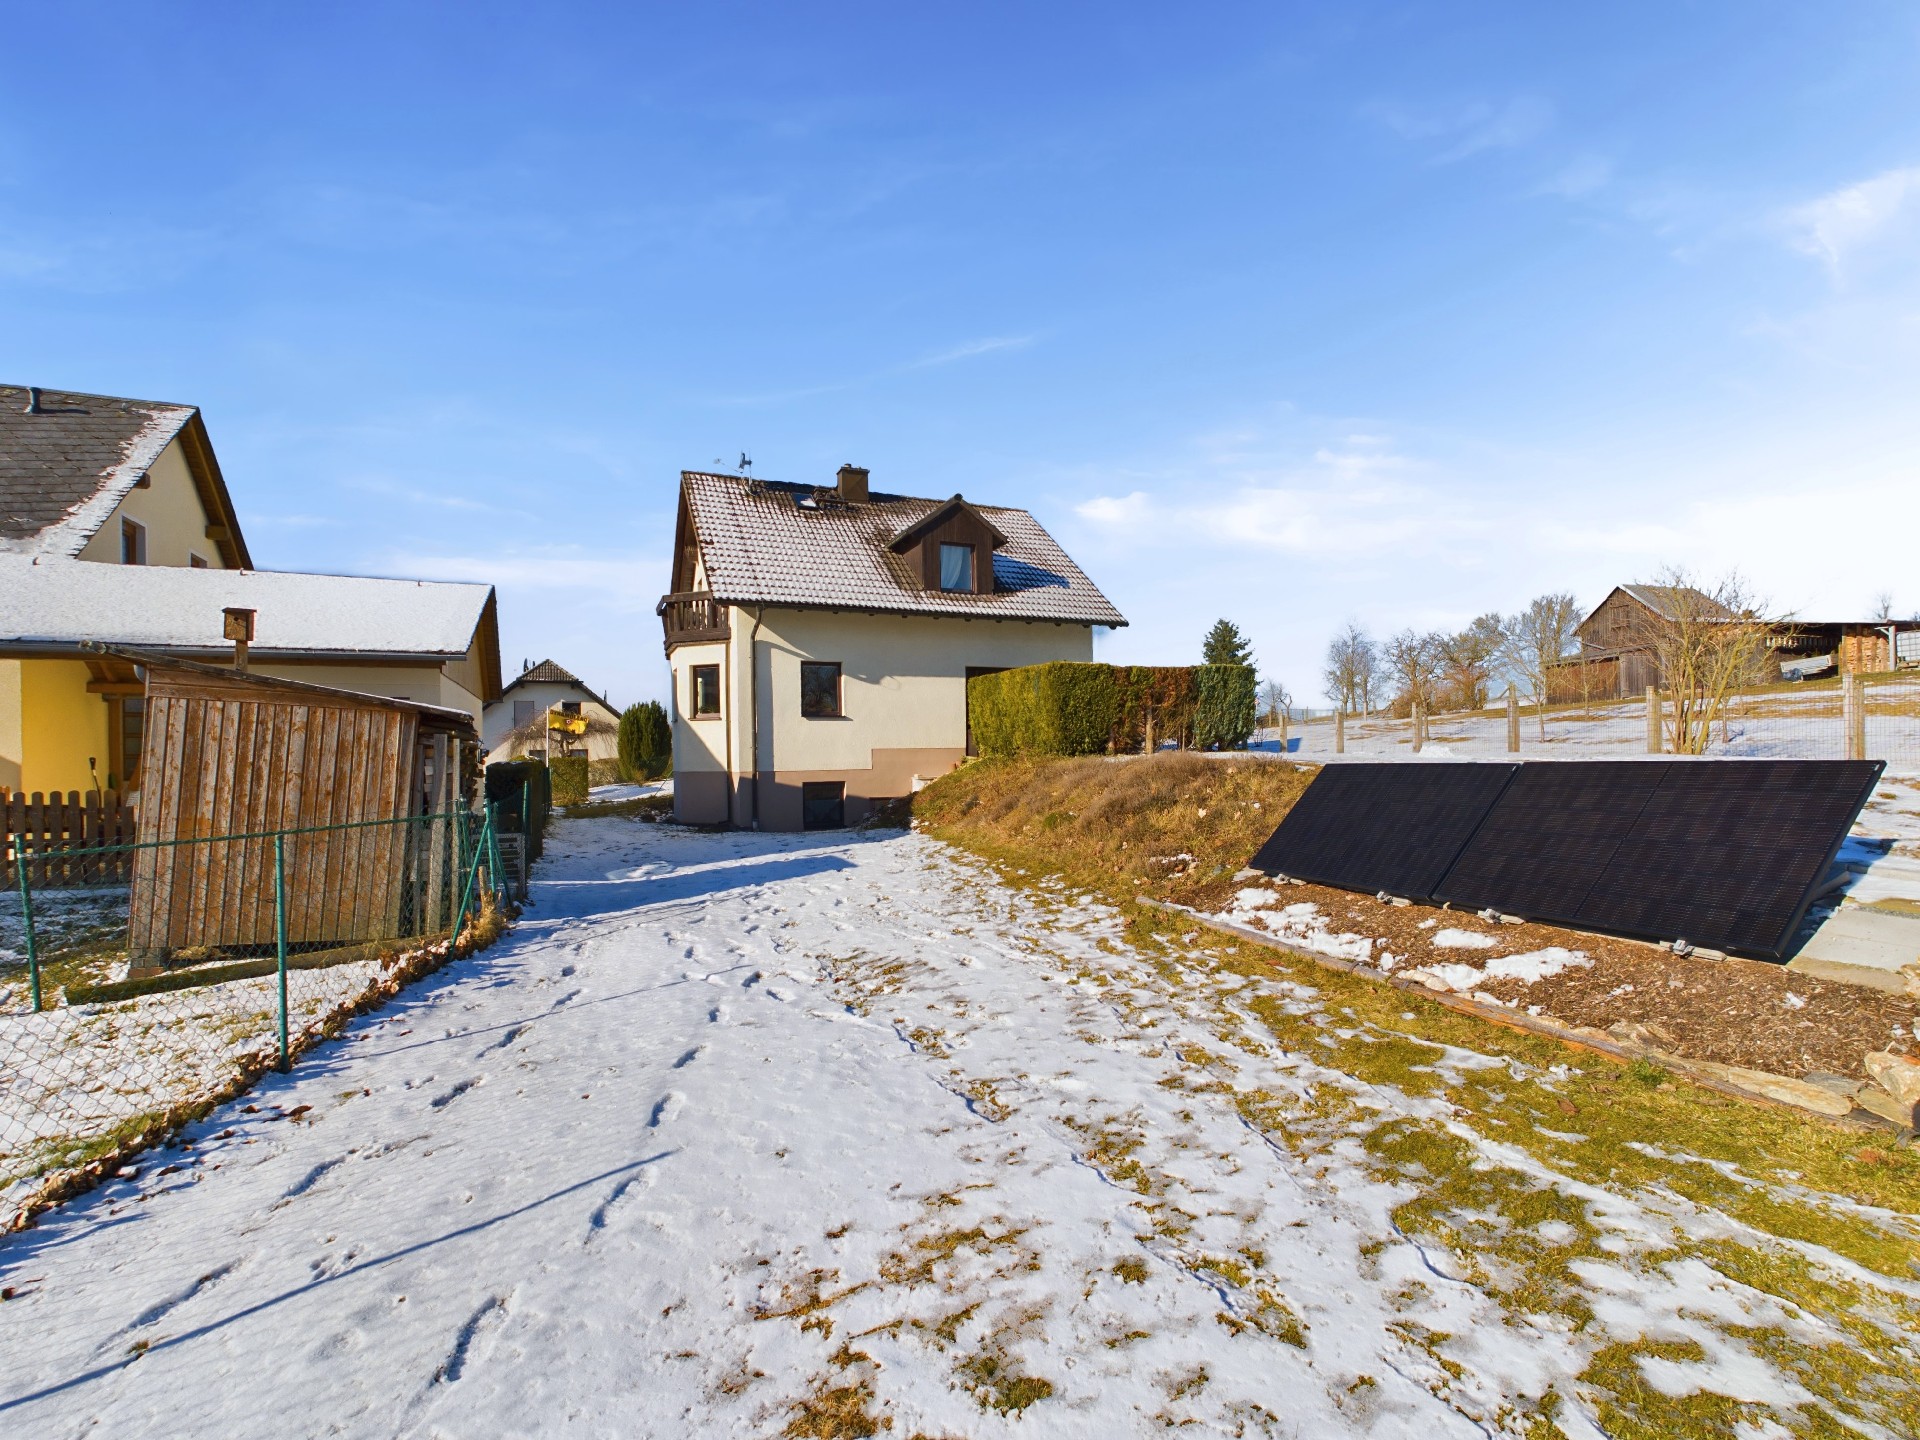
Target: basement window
823, 805
956, 567
704, 681
820, 689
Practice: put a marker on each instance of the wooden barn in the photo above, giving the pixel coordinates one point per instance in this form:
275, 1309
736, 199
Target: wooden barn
369, 783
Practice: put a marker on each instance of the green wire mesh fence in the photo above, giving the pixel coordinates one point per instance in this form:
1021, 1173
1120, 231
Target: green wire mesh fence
140, 977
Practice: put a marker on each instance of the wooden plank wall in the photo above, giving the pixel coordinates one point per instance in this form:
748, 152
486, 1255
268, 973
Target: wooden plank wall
71, 821
239, 764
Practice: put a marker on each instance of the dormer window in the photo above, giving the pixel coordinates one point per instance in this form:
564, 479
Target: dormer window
956, 567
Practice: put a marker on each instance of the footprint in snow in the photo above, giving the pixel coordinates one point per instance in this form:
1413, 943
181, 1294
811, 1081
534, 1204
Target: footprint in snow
507, 1039
666, 1108
157, 1312
314, 1176
688, 1058
571, 995
718, 1016
470, 1343
440, 1102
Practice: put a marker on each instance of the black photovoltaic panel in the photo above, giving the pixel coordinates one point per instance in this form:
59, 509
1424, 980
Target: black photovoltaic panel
1383, 827
1723, 854
1548, 839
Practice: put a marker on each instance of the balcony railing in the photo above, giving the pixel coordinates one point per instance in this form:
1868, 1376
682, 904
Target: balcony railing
691, 618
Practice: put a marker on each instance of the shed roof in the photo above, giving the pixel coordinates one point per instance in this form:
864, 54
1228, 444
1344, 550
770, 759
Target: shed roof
767, 543
59, 604
68, 458
186, 676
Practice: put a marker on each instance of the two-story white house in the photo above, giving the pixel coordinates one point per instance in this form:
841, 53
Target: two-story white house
820, 640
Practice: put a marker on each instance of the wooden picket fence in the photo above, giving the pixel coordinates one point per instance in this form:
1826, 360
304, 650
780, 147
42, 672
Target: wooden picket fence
50, 825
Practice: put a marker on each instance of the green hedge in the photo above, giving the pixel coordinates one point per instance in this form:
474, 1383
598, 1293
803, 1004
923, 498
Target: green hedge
1060, 708
1225, 709
569, 776
646, 741
1075, 708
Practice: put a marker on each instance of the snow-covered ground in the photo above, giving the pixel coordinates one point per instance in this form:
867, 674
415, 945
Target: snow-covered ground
621, 790
740, 1131
1792, 724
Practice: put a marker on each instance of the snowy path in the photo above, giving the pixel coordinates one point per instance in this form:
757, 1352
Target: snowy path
737, 1132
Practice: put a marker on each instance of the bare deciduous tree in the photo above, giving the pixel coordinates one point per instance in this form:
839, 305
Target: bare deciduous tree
1275, 701
1467, 663
1349, 668
1706, 645
1414, 663
1534, 641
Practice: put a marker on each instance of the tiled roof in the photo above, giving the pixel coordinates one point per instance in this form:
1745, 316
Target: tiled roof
764, 543
547, 672
63, 469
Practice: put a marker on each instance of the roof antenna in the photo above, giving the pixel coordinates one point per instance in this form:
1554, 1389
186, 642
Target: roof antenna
746, 463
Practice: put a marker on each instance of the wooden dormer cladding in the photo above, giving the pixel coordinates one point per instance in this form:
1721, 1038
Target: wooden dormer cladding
954, 523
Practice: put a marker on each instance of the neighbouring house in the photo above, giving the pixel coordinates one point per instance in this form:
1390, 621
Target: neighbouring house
117, 529
1619, 643
820, 639
73, 718
516, 723
127, 482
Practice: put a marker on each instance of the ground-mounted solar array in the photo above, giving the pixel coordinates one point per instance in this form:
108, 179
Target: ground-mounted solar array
1383, 827
1723, 854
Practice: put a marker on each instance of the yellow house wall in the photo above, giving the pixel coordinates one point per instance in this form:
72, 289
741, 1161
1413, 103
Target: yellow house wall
60, 725
12, 750
170, 508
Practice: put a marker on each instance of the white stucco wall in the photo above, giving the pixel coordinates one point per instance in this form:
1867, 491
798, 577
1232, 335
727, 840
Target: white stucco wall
541, 695
170, 508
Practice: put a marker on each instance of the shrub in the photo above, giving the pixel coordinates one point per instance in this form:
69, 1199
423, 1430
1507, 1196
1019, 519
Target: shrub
646, 741
605, 772
1224, 708
1060, 708
1156, 699
569, 776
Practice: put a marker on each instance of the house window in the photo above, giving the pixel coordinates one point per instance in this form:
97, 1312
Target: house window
956, 567
523, 711
823, 805
133, 542
705, 686
820, 689
196, 562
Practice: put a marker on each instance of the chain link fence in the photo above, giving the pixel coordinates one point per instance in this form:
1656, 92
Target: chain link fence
140, 978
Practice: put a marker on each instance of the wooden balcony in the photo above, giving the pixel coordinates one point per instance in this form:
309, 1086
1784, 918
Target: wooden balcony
692, 618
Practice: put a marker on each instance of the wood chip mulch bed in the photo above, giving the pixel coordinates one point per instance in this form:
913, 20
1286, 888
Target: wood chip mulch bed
1732, 1012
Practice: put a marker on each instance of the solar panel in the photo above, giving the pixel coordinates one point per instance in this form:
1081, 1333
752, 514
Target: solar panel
1383, 827
1548, 839
1723, 854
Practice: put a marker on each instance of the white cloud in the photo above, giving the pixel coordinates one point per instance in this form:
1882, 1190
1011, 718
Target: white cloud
973, 347
1473, 127
1580, 178
1841, 223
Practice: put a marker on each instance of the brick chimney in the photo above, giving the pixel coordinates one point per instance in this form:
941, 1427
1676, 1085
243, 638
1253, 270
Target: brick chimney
853, 484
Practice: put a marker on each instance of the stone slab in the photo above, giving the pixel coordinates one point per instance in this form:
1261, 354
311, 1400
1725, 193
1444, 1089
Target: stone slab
1862, 938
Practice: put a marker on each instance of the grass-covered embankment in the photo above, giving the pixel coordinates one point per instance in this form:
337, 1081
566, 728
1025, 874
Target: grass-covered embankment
1810, 1224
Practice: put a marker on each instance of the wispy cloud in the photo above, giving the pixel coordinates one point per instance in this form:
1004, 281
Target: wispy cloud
1467, 128
1840, 224
972, 348
1579, 178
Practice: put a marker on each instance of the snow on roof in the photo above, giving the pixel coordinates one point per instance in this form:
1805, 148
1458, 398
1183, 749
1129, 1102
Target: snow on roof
68, 459
764, 542
60, 603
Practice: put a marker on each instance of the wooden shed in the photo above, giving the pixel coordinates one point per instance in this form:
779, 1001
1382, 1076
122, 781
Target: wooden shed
229, 754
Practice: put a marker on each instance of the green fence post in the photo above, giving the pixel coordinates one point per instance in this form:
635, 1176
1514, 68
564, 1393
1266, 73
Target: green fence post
466, 890
26, 916
494, 866
280, 934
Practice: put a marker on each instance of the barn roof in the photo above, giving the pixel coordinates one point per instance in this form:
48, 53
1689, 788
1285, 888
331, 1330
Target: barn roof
62, 604
766, 543
68, 458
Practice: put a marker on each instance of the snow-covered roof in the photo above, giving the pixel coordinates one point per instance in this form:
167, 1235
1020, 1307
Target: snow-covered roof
763, 542
67, 459
59, 603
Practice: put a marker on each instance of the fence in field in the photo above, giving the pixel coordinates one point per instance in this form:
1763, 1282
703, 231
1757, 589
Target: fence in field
1870, 717
136, 977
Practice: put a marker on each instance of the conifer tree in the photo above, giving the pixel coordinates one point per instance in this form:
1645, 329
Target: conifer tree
1225, 645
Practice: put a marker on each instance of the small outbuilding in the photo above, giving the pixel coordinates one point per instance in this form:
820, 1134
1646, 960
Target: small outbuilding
364, 788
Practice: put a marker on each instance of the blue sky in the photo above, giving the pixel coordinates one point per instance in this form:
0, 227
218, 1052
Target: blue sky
1288, 313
